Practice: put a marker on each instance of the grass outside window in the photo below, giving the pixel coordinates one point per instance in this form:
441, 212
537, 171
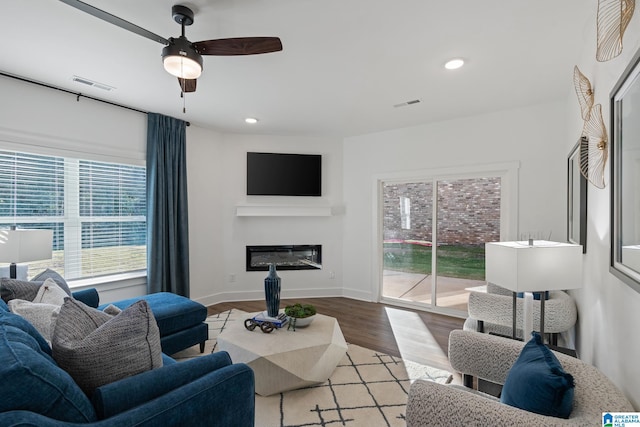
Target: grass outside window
97, 261
460, 261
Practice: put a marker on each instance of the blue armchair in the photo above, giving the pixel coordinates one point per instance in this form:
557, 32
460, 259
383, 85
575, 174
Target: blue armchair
208, 390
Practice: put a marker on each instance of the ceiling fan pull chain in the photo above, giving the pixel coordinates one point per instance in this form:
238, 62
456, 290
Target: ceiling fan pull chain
183, 84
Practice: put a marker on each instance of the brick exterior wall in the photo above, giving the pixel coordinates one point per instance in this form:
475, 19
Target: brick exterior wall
468, 211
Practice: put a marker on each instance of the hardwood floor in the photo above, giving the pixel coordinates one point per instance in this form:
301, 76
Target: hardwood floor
413, 335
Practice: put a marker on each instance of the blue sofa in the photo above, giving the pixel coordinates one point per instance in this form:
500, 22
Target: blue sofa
208, 390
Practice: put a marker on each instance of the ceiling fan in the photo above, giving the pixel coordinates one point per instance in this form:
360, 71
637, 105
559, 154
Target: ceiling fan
181, 57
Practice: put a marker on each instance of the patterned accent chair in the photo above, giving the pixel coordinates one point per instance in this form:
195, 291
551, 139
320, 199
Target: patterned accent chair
490, 357
492, 312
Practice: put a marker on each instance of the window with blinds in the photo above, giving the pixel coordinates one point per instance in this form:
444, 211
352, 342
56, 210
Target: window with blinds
97, 211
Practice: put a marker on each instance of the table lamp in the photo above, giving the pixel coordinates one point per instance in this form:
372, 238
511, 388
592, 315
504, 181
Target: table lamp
24, 246
533, 266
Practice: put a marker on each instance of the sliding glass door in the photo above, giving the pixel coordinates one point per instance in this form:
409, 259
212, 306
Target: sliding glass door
407, 234
468, 212
437, 225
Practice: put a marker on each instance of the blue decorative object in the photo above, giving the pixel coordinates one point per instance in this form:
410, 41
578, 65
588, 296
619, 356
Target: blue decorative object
272, 291
537, 382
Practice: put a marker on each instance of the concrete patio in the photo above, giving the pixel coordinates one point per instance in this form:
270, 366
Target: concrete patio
452, 293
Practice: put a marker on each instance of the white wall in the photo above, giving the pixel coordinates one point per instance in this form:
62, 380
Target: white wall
533, 136
609, 310
206, 181
217, 185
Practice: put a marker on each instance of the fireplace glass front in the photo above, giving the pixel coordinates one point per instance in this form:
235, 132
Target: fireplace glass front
285, 257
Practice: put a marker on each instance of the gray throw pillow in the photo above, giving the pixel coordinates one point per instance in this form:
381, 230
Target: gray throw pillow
43, 311
112, 310
50, 293
41, 316
18, 289
96, 348
50, 274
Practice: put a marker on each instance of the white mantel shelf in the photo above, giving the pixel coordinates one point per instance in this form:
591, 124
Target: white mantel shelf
279, 210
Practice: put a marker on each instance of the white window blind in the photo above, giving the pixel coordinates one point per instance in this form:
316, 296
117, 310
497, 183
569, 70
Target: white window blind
97, 211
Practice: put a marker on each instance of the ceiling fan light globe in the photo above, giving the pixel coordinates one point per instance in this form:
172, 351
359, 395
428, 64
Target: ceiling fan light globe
180, 59
182, 67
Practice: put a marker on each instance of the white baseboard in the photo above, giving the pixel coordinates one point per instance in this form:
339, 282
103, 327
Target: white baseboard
358, 295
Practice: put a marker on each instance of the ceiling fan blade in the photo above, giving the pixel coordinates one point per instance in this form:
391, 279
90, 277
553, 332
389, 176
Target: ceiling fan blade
239, 46
112, 19
187, 85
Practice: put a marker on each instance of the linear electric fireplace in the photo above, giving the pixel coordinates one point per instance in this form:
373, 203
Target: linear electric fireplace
285, 257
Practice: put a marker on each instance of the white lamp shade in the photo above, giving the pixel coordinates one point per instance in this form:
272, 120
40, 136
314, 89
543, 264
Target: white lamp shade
544, 266
25, 245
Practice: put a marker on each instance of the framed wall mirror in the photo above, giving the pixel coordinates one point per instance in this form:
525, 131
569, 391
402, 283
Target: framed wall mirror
625, 176
576, 199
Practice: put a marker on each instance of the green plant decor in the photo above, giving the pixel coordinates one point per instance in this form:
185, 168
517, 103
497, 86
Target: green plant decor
300, 311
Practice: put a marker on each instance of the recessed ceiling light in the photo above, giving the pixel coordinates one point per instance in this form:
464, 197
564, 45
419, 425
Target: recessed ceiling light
454, 64
251, 120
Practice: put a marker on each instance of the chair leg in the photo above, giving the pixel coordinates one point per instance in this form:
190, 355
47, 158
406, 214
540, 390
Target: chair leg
467, 380
480, 326
202, 347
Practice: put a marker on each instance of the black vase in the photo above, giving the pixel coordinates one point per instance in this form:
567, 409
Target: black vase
272, 291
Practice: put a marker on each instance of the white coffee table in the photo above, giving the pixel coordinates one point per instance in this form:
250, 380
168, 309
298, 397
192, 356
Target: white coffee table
286, 360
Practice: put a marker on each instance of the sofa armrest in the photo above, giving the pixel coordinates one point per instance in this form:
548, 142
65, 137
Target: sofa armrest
88, 296
119, 396
434, 404
225, 398
484, 356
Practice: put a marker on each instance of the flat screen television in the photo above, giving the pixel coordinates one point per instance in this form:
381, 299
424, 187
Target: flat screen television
277, 174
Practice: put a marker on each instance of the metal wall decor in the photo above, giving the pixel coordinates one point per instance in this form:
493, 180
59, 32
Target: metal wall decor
594, 141
613, 19
594, 148
584, 92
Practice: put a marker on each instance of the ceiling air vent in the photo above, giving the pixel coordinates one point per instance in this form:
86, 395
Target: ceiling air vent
404, 104
97, 85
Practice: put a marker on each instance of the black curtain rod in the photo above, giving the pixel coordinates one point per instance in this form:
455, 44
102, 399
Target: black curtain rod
77, 94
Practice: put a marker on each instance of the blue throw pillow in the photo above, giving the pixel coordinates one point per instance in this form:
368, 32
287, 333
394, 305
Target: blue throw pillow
537, 383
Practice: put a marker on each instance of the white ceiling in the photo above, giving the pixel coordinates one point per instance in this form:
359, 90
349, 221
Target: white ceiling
344, 65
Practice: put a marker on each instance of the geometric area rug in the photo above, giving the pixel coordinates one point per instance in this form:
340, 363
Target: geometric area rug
368, 388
